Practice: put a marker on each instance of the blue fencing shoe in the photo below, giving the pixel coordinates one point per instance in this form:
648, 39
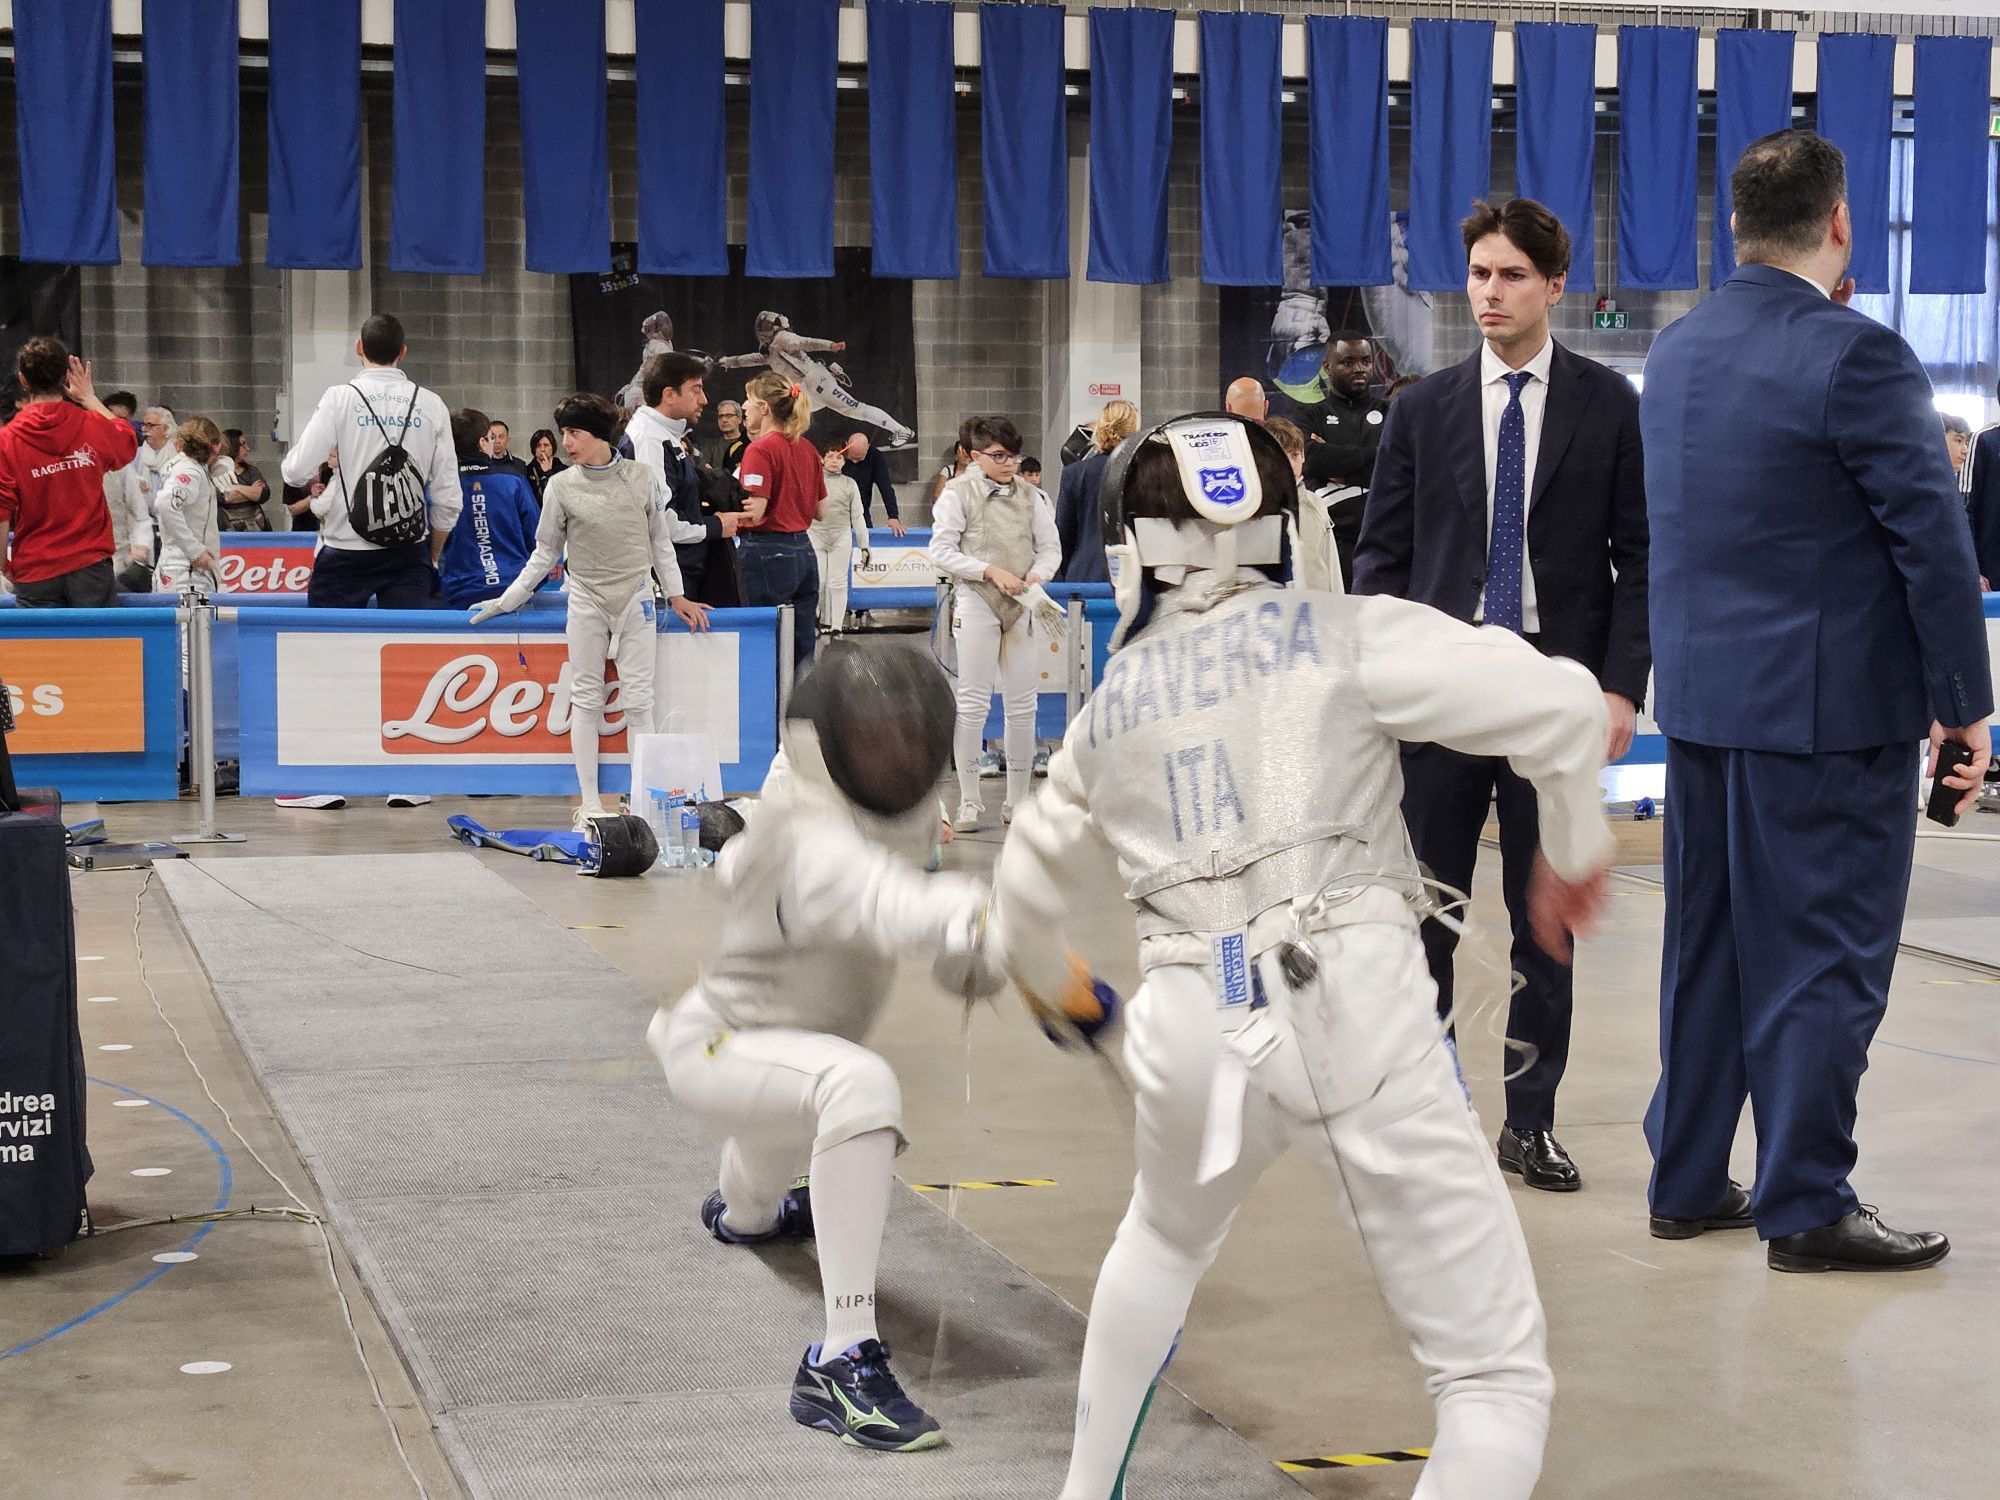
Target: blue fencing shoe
856, 1395
795, 1219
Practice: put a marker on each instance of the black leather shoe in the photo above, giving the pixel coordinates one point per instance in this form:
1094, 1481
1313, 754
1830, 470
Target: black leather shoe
1539, 1161
1732, 1211
1859, 1242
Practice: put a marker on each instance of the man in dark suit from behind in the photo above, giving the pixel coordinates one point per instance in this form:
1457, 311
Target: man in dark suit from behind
1508, 490
1816, 608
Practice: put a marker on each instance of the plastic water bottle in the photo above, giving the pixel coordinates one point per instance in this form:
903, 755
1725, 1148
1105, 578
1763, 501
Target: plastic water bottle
688, 842
673, 853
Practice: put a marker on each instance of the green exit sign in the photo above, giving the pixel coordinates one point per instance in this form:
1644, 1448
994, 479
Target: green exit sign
1994, 128
1607, 320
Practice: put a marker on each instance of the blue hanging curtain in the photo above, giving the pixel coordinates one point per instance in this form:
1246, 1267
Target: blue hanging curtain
1023, 140
912, 139
1948, 202
1347, 122
1555, 160
315, 135
1753, 98
62, 103
794, 49
565, 166
1656, 158
683, 140
1857, 111
191, 130
437, 197
1131, 137
1451, 144
1242, 215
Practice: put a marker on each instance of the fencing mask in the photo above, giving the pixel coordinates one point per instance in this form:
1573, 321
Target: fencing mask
883, 717
624, 845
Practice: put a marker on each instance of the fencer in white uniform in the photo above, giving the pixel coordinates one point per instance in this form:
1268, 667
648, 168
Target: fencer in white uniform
606, 519
1237, 773
768, 1047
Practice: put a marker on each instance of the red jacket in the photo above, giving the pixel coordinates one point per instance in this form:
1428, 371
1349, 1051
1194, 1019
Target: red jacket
53, 459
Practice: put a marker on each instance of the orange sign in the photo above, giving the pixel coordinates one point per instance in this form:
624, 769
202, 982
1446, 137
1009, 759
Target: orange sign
82, 696
459, 698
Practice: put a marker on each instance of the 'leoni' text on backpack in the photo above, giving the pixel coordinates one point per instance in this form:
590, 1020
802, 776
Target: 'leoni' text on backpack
385, 504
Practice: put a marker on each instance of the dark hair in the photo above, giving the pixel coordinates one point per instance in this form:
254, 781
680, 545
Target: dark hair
1785, 186
1153, 485
43, 365
977, 432
232, 439
555, 446
1353, 335
500, 422
1953, 422
1400, 384
589, 412
468, 426
1288, 435
669, 372
1029, 461
382, 340
1528, 226
125, 399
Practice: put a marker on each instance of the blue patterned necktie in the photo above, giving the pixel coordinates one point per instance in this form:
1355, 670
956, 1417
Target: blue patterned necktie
1510, 512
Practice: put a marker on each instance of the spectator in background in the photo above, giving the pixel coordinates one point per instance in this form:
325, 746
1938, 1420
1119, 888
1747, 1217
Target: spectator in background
955, 464
1079, 520
782, 476
1031, 470
1981, 484
673, 393
724, 451
1245, 398
156, 450
53, 459
1319, 565
495, 534
243, 499
841, 527
190, 508
1345, 429
499, 447
298, 498
544, 462
131, 521
1957, 441
868, 467
1397, 386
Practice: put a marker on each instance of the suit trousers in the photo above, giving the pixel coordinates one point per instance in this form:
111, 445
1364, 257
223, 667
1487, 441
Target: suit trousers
1786, 877
1446, 797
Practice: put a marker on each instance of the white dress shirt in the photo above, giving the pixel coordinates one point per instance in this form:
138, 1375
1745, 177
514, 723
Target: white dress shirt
1493, 373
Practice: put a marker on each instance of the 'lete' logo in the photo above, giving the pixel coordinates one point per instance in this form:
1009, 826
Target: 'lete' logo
286, 572
462, 698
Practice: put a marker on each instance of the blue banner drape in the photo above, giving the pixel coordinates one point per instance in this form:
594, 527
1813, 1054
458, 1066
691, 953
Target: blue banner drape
1451, 143
191, 133
1656, 158
1131, 137
62, 104
1023, 140
1555, 162
1753, 98
565, 162
912, 140
792, 85
1948, 198
683, 140
1347, 120
437, 197
1242, 214
315, 135
1856, 111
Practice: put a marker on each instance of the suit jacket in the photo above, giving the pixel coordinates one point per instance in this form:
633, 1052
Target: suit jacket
1080, 521
1813, 579
1424, 536
1983, 502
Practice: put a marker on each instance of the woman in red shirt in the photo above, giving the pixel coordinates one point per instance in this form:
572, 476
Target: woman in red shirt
784, 482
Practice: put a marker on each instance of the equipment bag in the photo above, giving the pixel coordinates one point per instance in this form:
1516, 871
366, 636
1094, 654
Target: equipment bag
386, 504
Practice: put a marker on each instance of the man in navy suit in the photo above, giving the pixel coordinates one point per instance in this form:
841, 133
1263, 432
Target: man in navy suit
1509, 490
1815, 610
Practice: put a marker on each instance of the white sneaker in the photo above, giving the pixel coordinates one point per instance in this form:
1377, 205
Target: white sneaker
1006, 814
989, 765
320, 802
1042, 761
969, 814
408, 799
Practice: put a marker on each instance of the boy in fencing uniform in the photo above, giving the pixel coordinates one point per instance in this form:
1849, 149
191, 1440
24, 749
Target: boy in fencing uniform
606, 518
1240, 764
767, 1047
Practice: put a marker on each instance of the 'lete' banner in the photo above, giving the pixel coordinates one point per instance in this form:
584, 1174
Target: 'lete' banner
257, 562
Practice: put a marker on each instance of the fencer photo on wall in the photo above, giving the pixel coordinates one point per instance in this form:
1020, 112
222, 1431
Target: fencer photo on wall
848, 341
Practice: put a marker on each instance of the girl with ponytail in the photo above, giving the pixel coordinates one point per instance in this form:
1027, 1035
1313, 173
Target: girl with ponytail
784, 481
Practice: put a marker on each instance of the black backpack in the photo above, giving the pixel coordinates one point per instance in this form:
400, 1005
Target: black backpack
386, 504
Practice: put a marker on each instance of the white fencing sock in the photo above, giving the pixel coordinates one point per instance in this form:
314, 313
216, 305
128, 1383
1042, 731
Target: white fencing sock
583, 725
1484, 1450
1136, 1314
850, 1201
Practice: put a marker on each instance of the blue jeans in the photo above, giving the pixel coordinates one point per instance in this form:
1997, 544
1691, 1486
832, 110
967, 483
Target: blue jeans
779, 568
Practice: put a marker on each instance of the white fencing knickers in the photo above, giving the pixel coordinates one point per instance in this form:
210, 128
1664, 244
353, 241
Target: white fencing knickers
1010, 660
1433, 1214
834, 559
630, 640
778, 1095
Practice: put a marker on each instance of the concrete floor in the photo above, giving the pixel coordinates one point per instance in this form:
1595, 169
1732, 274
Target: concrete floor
1685, 1370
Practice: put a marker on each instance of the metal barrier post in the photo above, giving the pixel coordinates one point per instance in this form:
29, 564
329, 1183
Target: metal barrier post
1073, 662
201, 718
786, 666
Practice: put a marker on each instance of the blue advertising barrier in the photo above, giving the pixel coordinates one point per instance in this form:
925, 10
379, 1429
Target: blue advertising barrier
96, 700
367, 702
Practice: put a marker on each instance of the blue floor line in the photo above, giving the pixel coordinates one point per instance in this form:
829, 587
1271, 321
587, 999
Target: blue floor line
201, 1233
1984, 1062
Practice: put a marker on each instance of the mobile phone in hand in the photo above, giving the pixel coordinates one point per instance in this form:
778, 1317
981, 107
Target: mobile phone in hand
1943, 806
